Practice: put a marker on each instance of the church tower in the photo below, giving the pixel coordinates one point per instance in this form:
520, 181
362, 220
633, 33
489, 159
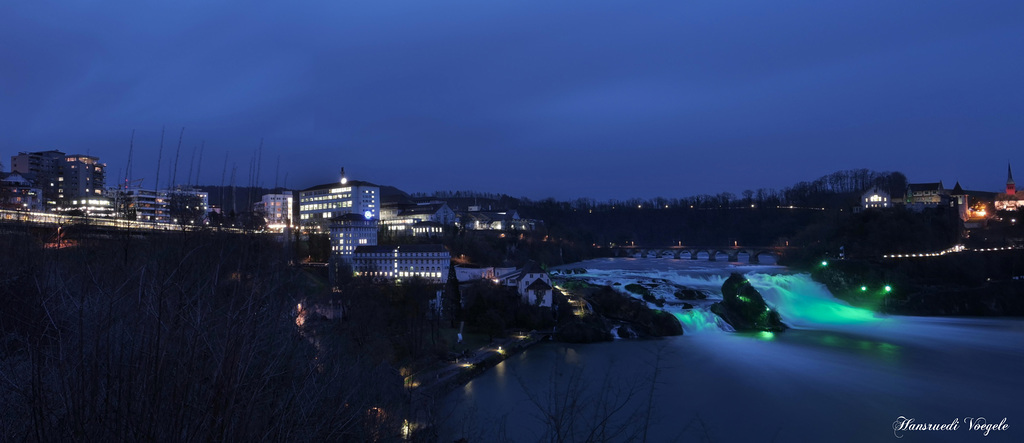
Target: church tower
1011, 189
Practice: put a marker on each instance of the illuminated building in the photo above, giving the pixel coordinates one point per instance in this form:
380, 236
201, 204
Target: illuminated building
400, 219
429, 262
19, 192
476, 220
319, 204
61, 177
348, 232
533, 285
150, 205
926, 193
90, 206
921, 196
276, 209
427, 229
145, 205
1012, 199
875, 198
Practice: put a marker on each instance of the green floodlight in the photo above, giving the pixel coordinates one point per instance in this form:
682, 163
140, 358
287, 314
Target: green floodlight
824, 263
863, 288
888, 288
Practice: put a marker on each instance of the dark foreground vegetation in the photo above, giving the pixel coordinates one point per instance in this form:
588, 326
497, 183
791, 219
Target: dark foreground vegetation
176, 338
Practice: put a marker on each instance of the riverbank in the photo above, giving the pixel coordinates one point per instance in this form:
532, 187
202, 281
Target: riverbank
963, 284
426, 388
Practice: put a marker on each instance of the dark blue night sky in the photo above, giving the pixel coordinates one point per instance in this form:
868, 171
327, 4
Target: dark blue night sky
530, 98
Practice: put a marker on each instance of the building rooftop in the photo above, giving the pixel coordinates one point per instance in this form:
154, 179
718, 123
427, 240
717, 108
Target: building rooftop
532, 268
399, 248
422, 209
332, 185
957, 190
918, 187
538, 284
426, 224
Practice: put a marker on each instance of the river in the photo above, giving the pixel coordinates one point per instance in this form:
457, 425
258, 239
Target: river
840, 374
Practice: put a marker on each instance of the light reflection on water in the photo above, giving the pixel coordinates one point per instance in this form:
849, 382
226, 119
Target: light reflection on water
845, 375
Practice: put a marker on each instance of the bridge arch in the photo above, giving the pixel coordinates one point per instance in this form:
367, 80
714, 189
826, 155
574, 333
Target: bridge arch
756, 256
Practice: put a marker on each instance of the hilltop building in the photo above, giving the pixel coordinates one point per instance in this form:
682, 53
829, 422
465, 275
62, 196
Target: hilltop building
921, 196
477, 220
429, 262
62, 177
928, 194
401, 219
319, 204
875, 198
1012, 199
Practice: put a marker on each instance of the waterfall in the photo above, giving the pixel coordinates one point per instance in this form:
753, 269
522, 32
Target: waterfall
806, 304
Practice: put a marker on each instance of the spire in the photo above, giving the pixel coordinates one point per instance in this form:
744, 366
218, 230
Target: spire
957, 190
1011, 189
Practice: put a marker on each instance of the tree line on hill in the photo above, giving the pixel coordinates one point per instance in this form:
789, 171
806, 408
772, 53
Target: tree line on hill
817, 216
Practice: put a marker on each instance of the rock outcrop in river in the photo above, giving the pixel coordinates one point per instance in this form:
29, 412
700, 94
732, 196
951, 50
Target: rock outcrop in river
744, 309
610, 309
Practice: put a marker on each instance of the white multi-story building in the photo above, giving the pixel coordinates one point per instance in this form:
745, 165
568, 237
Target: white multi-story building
276, 209
147, 205
427, 229
399, 219
319, 204
150, 205
348, 232
82, 176
430, 262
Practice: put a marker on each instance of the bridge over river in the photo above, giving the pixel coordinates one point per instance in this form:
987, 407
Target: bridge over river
731, 253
